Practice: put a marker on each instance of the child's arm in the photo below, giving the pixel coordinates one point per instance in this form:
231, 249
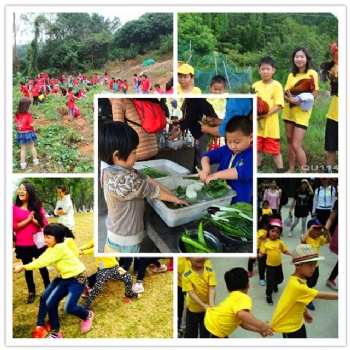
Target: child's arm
273, 110
195, 298
305, 235
307, 317
161, 186
251, 323
212, 295
326, 295
327, 235
287, 252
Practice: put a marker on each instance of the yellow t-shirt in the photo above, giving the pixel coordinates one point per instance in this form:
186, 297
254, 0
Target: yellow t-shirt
267, 211
272, 94
333, 109
195, 90
296, 114
288, 316
200, 284
221, 320
273, 250
316, 243
260, 237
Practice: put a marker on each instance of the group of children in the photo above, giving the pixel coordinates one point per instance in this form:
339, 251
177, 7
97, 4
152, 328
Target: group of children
205, 319
271, 98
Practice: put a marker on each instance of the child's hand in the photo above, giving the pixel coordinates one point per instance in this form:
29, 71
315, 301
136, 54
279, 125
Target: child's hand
203, 175
18, 269
181, 202
209, 178
265, 329
307, 317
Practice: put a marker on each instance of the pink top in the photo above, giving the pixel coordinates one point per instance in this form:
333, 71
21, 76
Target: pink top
24, 235
273, 198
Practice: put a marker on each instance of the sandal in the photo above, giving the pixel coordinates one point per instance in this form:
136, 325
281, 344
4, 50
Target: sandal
31, 298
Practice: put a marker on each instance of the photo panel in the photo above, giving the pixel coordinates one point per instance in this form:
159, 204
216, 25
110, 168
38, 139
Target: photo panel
195, 169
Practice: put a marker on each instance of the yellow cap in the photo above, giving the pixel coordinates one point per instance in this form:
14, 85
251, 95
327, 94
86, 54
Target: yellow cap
185, 69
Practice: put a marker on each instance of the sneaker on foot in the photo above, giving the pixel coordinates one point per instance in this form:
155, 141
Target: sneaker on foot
250, 274
290, 233
23, 166
269, 300
311, 306
87, 324
36, 161
54, 335
39, 332
331, 284
138, 288
262, 282
161, 268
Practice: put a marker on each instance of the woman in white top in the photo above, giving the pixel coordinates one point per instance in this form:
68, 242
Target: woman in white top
64, 207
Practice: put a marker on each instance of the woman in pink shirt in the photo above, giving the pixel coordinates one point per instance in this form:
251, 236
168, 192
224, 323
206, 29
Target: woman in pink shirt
28, 217
273, 195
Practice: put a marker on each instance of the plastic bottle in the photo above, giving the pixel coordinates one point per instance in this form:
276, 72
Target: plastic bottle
162, 142
190, 140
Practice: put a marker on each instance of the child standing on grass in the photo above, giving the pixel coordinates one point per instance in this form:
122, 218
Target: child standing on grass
198, 282
269, 91
317, 237
261, 236
125, 188
71, 98
272, 247
24, 89
235, 310
25, 131
291, 308
107, 268
71, 282
235, 160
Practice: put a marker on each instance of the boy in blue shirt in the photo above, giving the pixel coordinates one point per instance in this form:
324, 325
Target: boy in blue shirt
235, 159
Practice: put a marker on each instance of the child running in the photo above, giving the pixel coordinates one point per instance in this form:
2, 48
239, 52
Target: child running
71, 282
316, 236
198, 282
235, 310
273, 246
125, 188
291, 307
25, 131
107, 268
235, 160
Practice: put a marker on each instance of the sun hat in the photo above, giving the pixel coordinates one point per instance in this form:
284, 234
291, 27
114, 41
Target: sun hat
185, 69
276, 222
306, 99
314, 222
304, 253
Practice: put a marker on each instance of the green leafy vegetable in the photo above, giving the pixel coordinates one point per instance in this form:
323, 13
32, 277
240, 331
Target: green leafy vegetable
152, 173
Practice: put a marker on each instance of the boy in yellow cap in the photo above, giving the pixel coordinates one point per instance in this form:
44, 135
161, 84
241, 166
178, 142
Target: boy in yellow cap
291, 308
185, 77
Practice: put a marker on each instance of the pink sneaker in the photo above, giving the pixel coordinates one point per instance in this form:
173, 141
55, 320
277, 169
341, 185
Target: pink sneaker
250, 274
87, 324
161, 268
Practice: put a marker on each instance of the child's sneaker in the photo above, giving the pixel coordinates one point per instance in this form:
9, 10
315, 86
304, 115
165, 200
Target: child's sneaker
250, 274
161, 268
39, 332
54, 335
138, 288
24, 166
262, 282
36, 161
87, 324
331, 284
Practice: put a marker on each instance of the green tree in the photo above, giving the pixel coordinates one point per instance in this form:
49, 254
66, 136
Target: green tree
33, 53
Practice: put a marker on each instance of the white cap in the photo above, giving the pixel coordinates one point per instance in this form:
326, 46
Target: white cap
306, 99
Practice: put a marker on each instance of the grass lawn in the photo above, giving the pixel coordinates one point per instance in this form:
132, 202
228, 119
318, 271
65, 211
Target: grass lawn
149, 317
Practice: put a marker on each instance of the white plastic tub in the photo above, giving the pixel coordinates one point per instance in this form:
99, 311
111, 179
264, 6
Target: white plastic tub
180, 216
164, 166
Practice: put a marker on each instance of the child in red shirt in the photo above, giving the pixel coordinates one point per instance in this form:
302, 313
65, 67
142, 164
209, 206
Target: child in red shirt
23, 89
25, 131
71, 98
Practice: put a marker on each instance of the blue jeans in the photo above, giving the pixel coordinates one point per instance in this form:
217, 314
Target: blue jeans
53, 294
